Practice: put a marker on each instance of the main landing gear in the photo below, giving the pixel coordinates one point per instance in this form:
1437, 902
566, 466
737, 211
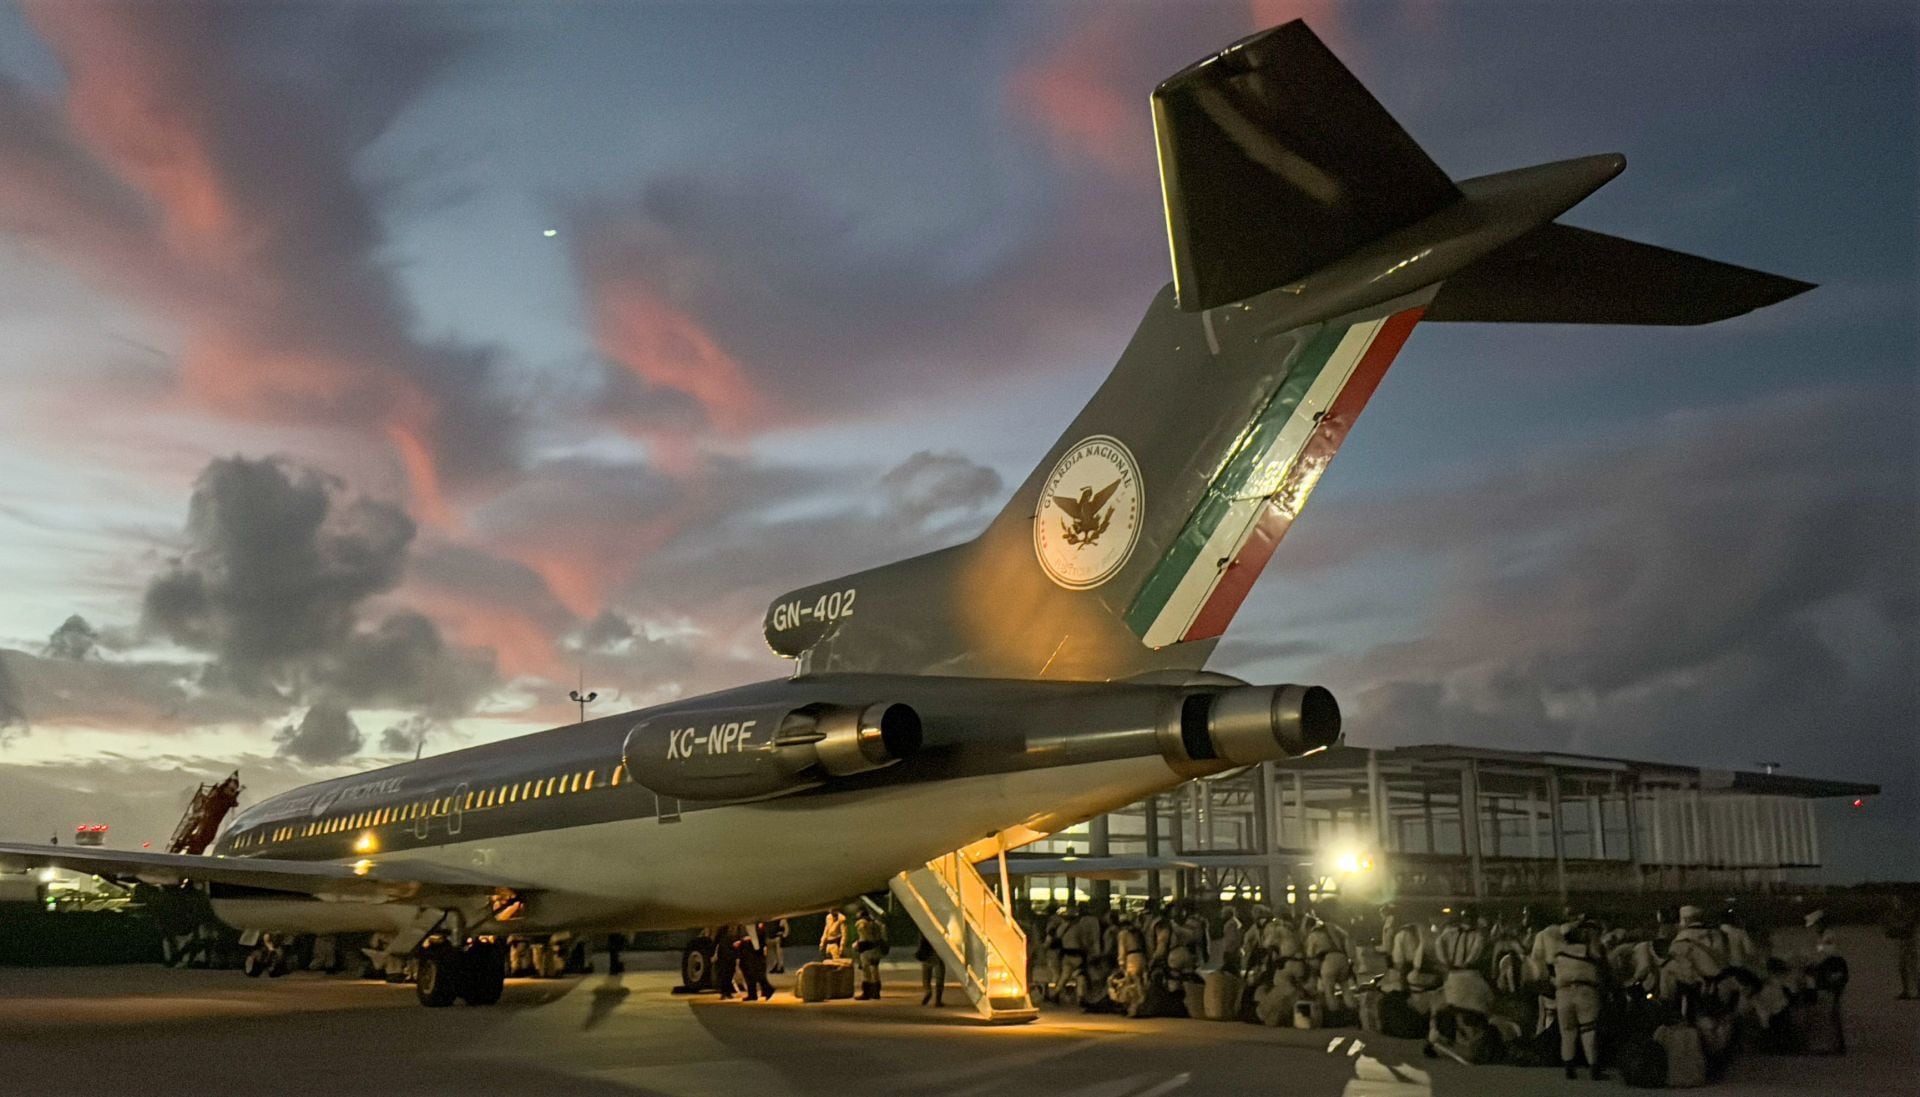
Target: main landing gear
474, 973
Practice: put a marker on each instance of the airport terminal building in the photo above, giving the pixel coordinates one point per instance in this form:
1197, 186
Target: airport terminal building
1441, 823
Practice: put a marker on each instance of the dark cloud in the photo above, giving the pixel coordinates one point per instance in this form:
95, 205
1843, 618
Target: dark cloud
403, 663
406, 737
325, 735
13, 711
74, 639
142, 697
279, 562
928, 484
606, 632
1714, 587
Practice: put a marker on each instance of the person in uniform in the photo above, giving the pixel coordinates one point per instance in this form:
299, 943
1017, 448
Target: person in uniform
833, 936
777, 932
1328, 960
933, 973
726, 958
1576, 997
1128, 985
1900, 924
753, 962
1702, 947
1079, 940
1461, 946
868, 949
1404, 940
1233, 934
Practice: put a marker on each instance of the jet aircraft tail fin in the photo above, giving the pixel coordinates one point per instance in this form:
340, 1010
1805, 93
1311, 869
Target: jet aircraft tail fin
1275, 161
1309, 235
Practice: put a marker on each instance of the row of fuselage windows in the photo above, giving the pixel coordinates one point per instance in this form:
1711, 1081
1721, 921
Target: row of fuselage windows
585, 780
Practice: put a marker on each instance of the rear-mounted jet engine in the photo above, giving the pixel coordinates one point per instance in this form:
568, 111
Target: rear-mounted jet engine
737, 754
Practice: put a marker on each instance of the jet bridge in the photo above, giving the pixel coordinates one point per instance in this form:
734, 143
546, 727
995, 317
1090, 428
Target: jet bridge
973, 930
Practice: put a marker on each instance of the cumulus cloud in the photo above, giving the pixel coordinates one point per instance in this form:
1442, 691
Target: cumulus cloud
279, 563
324, 736
74, 639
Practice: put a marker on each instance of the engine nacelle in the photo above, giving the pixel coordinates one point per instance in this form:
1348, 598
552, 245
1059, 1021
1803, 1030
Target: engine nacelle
746, 754
1248, 724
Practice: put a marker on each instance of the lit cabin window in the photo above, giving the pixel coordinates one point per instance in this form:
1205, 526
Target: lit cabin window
619, 772
468, 806
526, 791
549, 788
589, 781
577, 778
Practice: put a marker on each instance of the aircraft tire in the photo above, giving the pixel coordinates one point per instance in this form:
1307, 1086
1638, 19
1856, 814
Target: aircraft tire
483, 973
437, 977
696, 971
254, 964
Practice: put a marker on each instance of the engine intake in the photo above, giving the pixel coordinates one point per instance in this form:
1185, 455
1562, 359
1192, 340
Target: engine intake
1248, 724
755, 753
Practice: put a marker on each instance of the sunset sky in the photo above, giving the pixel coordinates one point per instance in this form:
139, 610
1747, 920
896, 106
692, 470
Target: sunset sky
373, 370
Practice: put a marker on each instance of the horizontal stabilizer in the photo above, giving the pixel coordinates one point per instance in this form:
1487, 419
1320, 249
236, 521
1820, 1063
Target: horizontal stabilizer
1274, 161
1558, 274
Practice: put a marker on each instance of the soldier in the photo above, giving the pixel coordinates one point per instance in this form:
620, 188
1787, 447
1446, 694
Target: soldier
1462, 947
777, 933
1232, 936
833, 936
1576, 997
1698, 954
933, 973
1078, 941
868, 950
1404, 941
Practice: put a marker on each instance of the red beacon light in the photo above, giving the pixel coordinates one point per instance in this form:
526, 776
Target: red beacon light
90, 834
1859, 802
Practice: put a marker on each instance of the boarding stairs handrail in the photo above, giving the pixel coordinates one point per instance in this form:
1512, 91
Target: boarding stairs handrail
974, 933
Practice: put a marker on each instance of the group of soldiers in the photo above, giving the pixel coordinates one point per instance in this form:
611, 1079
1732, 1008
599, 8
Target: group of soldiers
1669, 1002
862, 938
1674, 998
1136, 963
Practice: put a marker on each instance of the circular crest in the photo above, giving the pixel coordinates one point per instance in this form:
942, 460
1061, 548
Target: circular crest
1088, 518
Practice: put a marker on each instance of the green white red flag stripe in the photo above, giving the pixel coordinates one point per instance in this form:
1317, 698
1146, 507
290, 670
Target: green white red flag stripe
1212, 564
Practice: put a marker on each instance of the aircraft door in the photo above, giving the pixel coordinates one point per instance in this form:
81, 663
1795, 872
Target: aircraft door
458, 807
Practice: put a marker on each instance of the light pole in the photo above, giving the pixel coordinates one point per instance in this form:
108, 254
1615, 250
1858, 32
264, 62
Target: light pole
582, 701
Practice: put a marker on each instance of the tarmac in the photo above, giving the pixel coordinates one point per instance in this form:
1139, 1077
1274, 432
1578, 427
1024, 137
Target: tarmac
152, 1030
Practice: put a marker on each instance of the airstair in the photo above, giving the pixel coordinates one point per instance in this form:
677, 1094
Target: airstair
204, 815
973, 931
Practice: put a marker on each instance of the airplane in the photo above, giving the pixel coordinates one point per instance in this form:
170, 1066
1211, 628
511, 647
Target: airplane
974, 699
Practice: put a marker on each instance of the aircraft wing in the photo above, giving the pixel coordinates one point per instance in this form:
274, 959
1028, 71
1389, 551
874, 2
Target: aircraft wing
373, 879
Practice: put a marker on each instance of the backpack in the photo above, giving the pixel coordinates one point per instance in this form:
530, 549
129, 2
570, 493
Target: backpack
1643, 1065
